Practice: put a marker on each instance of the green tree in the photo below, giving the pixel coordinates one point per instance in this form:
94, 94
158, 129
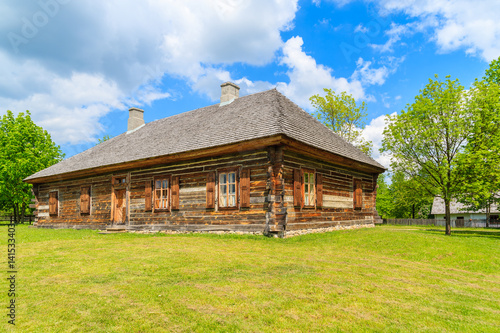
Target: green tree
25, 149
402, 198
492, 74
426, 138
410, 199
344, 116
104, 138
384, 203
479, 163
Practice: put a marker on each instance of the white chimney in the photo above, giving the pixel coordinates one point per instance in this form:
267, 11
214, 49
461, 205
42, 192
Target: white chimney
135, 119
229, 92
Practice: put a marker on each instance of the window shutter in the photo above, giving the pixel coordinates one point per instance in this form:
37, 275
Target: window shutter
211, 190
175, 192
85, 200
245, 188
319, 190
358, 194
53, 203
147, 196
297, 188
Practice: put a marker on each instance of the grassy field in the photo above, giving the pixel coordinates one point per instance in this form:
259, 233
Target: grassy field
389, 279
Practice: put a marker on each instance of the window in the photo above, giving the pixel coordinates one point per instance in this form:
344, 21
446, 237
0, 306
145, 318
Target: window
53, 203
120, 180
162, 194
309, 188
227, 189
85, 200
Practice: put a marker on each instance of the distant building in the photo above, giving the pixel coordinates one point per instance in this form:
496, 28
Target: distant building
457, 211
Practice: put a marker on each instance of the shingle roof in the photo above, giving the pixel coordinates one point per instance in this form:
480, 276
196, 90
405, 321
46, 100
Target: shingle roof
455, 207
250, 117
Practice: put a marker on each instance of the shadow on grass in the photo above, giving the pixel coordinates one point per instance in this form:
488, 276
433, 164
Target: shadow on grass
489, 233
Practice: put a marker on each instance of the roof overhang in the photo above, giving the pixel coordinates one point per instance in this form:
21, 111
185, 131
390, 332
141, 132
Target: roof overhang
254, 144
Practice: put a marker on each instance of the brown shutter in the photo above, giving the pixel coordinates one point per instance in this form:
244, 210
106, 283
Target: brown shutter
354, 193
245, 188
319, 190
297, 188
175, 192
147, 196
211, 190
358, 194
85, 200
53, 203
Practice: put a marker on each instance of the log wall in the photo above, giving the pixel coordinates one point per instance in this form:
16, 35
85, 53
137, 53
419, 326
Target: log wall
271, 207
338, 202
192, 213
69, 203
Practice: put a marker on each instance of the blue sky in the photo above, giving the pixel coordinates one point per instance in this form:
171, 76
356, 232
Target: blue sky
79, 65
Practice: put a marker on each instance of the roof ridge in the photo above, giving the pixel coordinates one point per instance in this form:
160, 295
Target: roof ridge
208, 106
279, 109
249, 117
343, 140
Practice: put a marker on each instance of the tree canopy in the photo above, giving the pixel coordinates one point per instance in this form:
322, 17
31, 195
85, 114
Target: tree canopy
25, 149
479, 163
344, 116
426, 138
492, 74
402, 198
104, 138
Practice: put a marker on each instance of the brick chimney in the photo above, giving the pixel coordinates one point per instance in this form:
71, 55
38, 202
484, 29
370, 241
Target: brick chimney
229, 92
135, 119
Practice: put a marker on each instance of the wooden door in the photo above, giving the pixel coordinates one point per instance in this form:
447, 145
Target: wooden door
120, 207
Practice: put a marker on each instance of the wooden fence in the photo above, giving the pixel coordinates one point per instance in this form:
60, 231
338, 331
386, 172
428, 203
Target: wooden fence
458, 223
5, 219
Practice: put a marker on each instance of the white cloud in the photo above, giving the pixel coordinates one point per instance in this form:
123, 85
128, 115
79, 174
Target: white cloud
71, 108
472, 26
209, 83
369, 75
308, 77
395, 33
75, 67
362, 29
374, 132
457, 24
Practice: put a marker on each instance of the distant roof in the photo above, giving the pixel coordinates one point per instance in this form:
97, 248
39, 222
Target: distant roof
456, 207
249, 117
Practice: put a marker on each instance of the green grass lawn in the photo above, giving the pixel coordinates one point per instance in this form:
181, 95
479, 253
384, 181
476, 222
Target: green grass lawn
389, 279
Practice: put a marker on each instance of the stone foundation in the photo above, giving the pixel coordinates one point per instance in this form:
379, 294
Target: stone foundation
164, 229
293, 233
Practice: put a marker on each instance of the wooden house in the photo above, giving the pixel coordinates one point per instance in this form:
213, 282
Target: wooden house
462, 216
258, 163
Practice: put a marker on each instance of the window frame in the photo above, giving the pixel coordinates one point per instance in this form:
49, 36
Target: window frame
124, 177
312, 172
169, 195
236, 187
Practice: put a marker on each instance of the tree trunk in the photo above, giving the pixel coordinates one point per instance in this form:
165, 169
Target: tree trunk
448, 217
23, 212
488, 213
15, 210
413, 211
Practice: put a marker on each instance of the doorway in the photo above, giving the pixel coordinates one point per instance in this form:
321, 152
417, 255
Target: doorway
120, 209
